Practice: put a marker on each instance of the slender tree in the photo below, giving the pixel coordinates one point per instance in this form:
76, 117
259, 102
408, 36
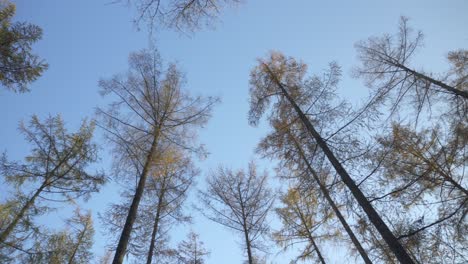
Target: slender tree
55, 170
282, 78
387, 70
285, 146
71, 246
18, 65
161, 207
192, 250
170, 187
301, 218
239, 201
417, 167
150, 109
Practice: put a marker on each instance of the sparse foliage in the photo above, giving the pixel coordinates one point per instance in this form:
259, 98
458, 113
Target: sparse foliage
56, 170
192, 250
71, 246
301, 217
386, 69
18, 65
182, 15
151, 111
239, 201
161, 207
283, 79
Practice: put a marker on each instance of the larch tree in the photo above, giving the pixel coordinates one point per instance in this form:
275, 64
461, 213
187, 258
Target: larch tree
299, 160
151, 109
161, 207
385, 66
192, 250
18, 65
301, 218
182, 15
72, 245
239, 201
283, 79
55, 170
418, 167
170, 185
423, 172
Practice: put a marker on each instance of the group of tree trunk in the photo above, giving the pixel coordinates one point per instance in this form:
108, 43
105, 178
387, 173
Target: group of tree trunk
396, 164
385, 178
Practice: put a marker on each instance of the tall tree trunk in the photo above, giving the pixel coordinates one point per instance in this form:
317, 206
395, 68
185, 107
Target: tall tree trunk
244, 226
4, 235
155, 227
327, 196
373, 216
249, 247
132, 212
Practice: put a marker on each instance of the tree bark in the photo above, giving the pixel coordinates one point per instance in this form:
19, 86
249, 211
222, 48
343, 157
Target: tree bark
373, 216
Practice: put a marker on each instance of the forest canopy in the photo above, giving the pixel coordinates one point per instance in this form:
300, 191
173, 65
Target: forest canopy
272, 134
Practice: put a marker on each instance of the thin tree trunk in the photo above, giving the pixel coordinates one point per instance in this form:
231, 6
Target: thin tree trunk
309, 235
442, 85
249, 249
244, 226
155, 228
4, 235
132, 213
338, 214
80, 239
373, 216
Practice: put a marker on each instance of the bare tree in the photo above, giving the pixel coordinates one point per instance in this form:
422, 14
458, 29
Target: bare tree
161, 207
239, 201
192, 250
183, 15
282, 78
150, 110
385, 66
54, 171
18, 66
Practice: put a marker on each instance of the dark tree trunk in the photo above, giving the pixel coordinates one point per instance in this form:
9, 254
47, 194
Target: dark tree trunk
155, 228
132, 213
373, 216
442, 85
249, 247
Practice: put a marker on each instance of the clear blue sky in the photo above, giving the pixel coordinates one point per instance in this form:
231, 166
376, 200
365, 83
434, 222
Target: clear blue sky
88, 39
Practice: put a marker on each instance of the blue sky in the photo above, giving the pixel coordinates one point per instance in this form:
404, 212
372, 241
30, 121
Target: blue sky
89, 39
